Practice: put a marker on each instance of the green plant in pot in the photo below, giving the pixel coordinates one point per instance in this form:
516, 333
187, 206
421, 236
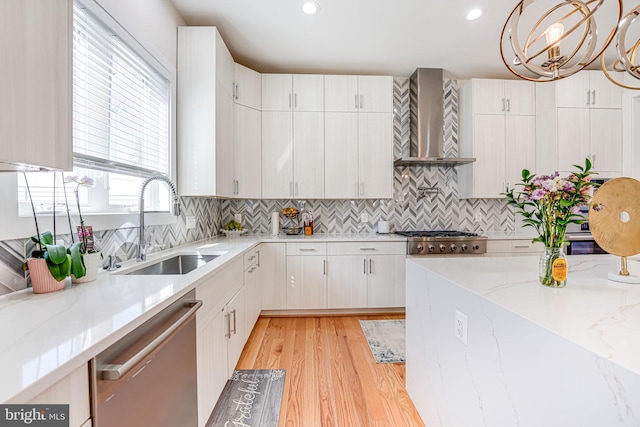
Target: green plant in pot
60, 260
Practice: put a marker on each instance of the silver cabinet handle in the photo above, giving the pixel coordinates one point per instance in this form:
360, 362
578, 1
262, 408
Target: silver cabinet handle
370, 266
508, 104
115, 372
367, 249
295, 101
237, 91
593, 96
228, 318
588, 97
307, 249
258, 261
521, 246
361, 101
324, 267
356, 100
503, 105
235, 329
289, 100
364, 266
295, 193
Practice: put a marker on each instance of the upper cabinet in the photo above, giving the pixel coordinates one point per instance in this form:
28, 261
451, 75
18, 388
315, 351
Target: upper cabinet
588, 89
292, 92
205, 114
513, 97
502, 141
365, 94
35, 88
247, 89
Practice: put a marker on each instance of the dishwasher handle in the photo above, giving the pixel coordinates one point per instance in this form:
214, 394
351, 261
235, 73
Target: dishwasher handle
115, 372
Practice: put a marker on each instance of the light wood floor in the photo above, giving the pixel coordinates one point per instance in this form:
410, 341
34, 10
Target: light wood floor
332, 378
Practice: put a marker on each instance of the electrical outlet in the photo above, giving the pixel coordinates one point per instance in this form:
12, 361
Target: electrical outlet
238, 218
461, 327
477, 217
191, 222
364, 217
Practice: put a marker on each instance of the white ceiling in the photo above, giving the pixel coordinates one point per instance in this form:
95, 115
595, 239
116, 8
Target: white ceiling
392, 37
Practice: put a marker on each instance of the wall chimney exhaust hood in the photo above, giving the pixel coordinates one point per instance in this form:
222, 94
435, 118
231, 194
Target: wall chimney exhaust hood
426, 122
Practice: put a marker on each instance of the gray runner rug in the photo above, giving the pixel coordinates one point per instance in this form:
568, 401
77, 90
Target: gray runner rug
250, 398
386, 339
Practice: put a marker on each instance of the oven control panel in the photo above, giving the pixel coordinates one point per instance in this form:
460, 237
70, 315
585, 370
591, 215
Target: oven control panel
447, 246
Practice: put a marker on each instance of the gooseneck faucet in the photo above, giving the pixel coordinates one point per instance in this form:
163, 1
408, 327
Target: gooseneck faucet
142, 244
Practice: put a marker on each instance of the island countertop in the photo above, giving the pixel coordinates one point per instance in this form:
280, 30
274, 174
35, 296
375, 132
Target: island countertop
591, 311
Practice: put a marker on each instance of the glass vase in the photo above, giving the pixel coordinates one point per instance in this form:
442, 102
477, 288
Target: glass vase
553, 268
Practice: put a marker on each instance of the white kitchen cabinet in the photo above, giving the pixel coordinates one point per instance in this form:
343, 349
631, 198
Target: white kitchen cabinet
365, 274
248, 153
292, 155
35, 106
72, 390
588, 89
272, 276
494, 96
205, 114
292, 92
211, 354
247, 88
502, 143
306, 275
568, 135
513, 247
236, 332
366, 94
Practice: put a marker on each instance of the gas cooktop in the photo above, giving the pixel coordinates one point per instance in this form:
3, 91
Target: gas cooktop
441, 242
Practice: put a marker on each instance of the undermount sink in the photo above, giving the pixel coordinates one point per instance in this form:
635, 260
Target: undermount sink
179, 264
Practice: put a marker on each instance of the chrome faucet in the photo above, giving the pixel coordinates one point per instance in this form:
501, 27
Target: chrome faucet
142, 244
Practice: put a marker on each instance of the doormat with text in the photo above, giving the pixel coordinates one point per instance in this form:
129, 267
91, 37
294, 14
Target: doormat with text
250, 398
386, 339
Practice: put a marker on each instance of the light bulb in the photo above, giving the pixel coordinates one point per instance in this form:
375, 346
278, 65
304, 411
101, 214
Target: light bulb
554, 33
310, 8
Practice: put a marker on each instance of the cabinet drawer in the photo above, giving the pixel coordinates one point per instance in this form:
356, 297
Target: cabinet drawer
513, 247
367, 248
250, 258
311, 248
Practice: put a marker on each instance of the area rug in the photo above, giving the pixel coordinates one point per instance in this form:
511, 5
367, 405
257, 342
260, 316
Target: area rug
386, 339
250, 398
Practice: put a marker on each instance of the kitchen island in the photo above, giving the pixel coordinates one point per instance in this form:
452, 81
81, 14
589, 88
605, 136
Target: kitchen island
534, 356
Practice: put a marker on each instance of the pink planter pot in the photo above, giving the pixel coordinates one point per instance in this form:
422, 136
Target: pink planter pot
41, 279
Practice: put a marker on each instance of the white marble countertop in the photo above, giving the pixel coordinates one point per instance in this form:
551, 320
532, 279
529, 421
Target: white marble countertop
601, 316
43, 337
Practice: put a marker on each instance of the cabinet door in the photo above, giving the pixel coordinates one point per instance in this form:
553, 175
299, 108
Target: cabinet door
520, 147
225, 67
225, 147
307, 285
606, 141
574, 91
252, 301
277, 155
35, 89
341, 155
386, 281
308, 92
604, 94
272, 278
341, 93
375, 155
573, 137
520, 97
211, 353
236, 329
489, 168
248, 152
308, 155
488, 96
347, 282
248, 87
375, 94
277, 92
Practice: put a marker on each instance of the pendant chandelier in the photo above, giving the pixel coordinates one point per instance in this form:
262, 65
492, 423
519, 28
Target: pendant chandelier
564, 40
626, 58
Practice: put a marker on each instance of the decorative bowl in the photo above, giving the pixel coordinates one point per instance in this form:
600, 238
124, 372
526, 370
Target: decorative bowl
292, 230
233, 232
290, 212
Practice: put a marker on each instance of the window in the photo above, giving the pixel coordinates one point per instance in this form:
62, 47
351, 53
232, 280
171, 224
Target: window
121, 124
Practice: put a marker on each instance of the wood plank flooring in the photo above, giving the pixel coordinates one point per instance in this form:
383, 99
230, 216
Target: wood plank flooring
332, 378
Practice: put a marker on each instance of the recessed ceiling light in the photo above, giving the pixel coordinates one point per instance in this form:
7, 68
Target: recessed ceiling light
474, 14
310, 7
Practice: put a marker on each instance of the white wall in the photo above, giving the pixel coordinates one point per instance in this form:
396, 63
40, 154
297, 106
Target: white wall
153, 23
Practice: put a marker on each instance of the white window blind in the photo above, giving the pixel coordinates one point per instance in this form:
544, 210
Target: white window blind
120, 104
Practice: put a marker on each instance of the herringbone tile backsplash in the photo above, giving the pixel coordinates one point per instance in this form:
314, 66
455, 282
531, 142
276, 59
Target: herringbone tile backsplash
405, 210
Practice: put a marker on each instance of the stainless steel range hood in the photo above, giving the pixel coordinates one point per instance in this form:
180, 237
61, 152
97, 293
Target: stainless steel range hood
426, 127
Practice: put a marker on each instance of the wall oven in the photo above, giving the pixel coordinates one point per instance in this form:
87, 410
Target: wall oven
579, 236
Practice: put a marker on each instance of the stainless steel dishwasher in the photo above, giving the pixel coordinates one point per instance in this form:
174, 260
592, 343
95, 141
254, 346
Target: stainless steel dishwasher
148, 378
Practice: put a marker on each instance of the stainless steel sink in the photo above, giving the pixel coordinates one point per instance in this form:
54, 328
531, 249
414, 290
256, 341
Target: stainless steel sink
179, 264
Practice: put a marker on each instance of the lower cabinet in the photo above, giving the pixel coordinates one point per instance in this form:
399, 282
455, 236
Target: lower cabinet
236, 327
513, 247
72, 390
272, 276
307, 282
253, 303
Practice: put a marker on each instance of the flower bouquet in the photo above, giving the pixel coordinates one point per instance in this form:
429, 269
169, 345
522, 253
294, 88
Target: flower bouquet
548, 203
